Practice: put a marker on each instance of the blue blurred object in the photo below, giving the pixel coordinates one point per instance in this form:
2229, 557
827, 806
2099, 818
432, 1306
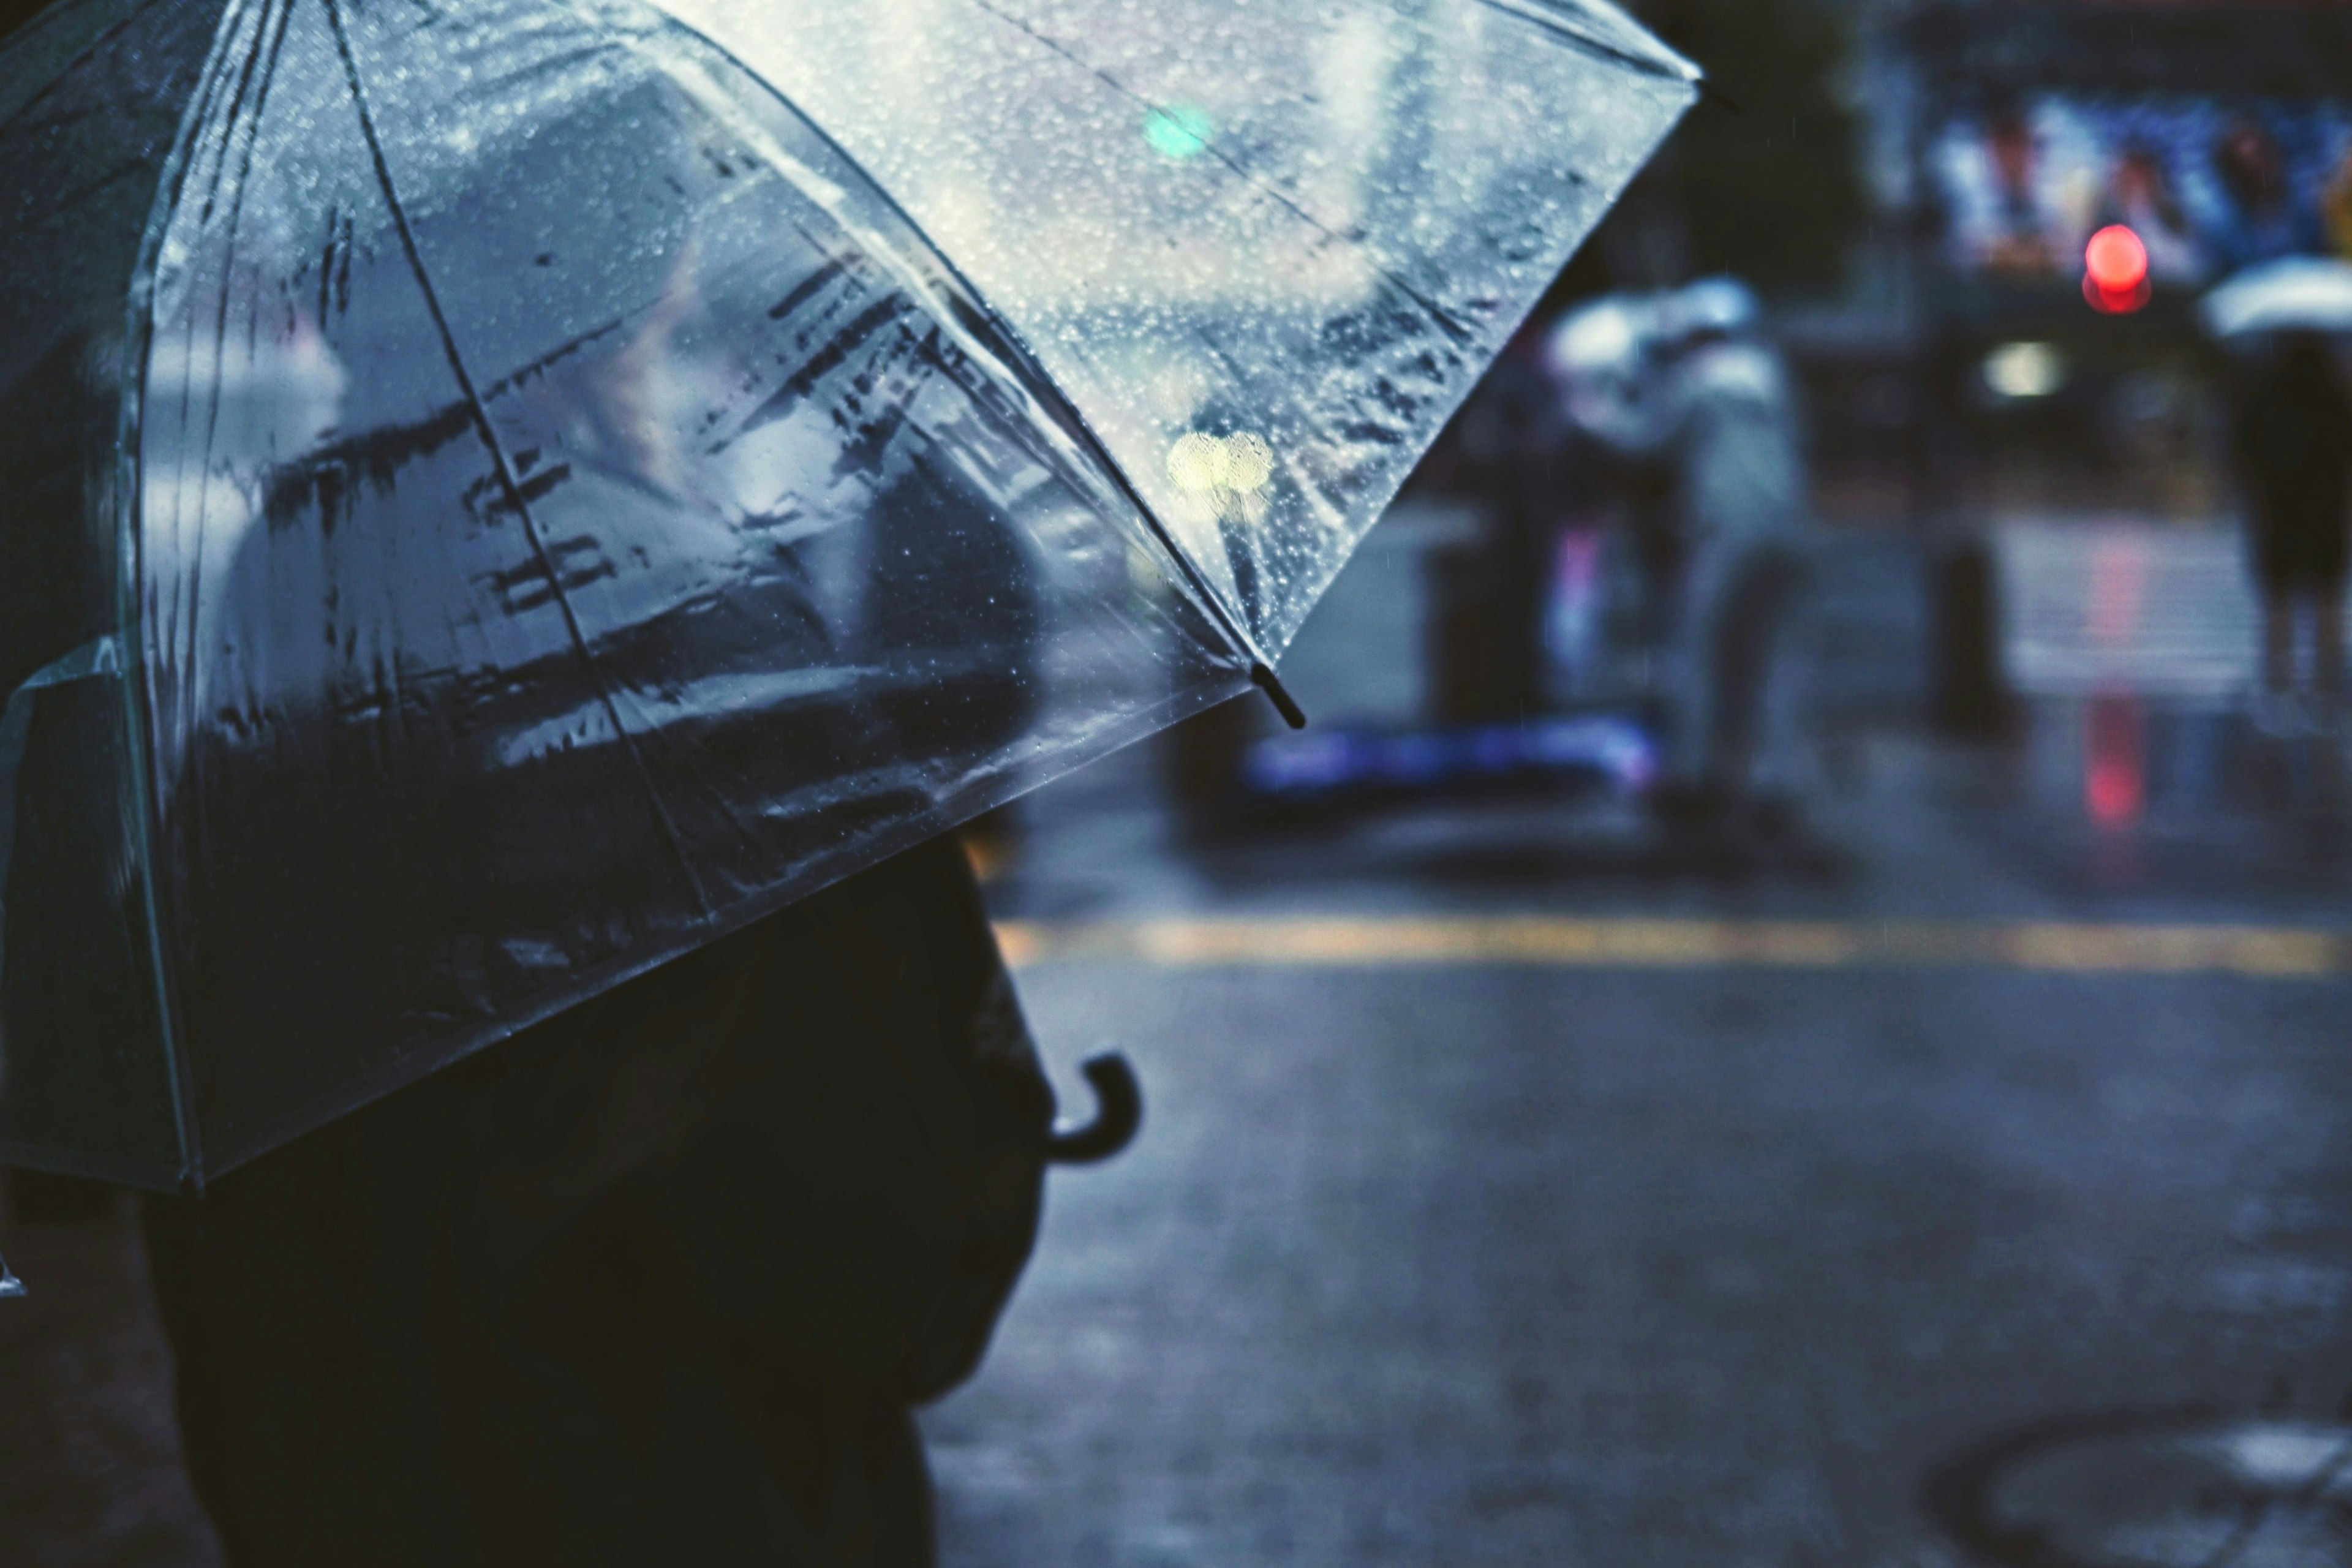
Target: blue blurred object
1367, 767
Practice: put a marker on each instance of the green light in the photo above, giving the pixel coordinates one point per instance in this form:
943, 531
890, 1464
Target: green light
1178, 132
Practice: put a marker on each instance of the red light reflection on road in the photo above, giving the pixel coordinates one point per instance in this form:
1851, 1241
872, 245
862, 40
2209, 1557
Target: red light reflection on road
2114, 771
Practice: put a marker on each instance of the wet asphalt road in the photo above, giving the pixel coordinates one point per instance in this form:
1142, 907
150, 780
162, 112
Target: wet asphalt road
1457, 1263
1972, 1188
1861, 1253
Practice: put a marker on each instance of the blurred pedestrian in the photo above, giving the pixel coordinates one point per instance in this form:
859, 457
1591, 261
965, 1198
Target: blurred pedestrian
2260, 220
1687, 383
657, 1281
2292, 438
1740, 512
2141, 198
2014, 220
1606, 361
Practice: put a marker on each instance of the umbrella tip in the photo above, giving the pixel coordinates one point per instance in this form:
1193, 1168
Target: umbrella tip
11, 1288
1264, 678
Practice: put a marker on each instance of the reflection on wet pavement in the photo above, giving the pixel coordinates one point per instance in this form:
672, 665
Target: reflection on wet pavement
2144, 761
2192, 1487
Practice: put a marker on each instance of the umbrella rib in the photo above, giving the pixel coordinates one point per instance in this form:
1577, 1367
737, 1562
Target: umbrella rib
1261, 669
507, 479
1043, 388
1616, 54
181, 166
1235, 627
64, 73
138, 700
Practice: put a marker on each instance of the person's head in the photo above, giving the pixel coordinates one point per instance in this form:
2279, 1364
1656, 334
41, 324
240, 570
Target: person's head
2010, 140
1712, 310
1602, 357
2247, 161
2139, 176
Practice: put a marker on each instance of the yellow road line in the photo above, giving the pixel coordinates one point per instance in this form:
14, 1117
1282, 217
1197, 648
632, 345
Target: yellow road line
1628, 943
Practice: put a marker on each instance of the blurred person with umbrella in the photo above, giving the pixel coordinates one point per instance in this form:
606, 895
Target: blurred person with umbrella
2141, 197
2261, 216
2291, 434
528, 522
1686, 382
2018, 220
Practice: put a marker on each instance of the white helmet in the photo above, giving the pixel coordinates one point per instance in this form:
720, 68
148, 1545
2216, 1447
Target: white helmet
1710, 308
1600, 356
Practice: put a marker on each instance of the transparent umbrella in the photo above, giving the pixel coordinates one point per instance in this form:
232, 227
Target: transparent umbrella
501, 493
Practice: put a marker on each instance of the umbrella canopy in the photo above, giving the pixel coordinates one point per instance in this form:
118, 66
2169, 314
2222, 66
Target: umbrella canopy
2295, 294
501, 493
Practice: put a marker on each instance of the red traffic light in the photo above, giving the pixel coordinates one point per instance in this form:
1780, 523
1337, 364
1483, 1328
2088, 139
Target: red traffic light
2115, 271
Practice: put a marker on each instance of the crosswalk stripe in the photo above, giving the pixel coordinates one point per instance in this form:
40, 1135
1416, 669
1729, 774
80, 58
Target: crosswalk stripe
1637, 943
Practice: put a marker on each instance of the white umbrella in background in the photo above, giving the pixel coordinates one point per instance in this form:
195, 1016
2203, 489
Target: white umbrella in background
2295, 294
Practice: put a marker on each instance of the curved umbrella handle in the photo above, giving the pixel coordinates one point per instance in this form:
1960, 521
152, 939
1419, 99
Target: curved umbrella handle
1118, 1111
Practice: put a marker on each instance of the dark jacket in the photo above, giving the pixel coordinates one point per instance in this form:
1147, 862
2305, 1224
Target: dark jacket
654, 1282
2293, 434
